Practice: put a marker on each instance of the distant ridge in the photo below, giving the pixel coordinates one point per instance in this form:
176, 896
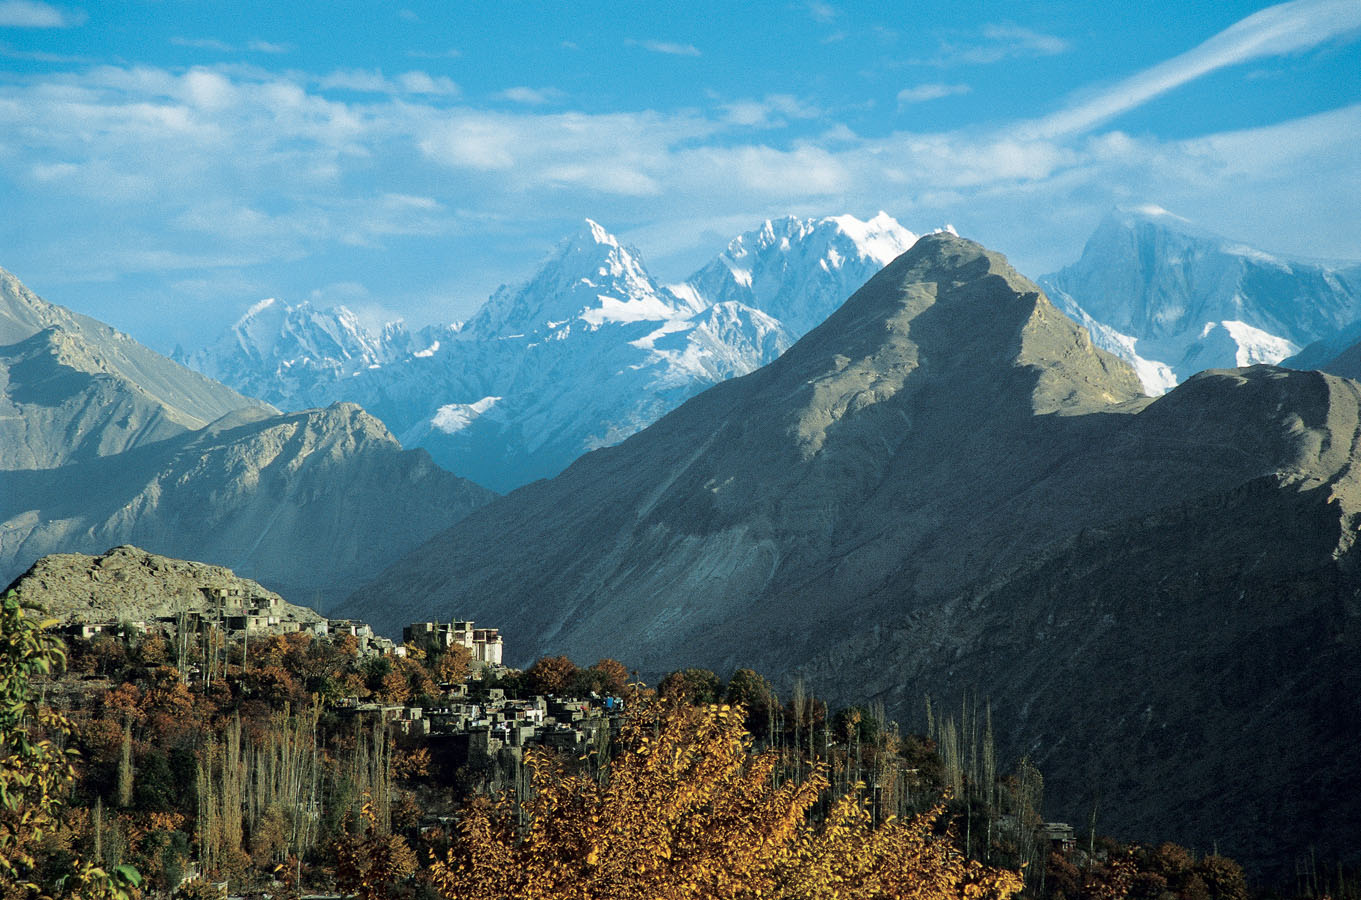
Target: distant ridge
104, 442
1174, 299
72, 388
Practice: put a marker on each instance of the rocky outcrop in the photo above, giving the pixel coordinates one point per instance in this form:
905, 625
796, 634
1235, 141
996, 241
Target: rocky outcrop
127, 584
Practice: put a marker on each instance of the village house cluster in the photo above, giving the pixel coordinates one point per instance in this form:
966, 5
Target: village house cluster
240, 614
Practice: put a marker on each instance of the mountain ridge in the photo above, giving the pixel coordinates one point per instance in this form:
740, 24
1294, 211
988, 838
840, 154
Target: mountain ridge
591, 347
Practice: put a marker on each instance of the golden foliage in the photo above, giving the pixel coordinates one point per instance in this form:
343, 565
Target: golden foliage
370, 863
689, 811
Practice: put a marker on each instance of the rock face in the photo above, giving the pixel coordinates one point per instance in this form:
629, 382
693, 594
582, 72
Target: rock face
1175, 300
586, 352
127, 584
307, 503
73, 389
947, 488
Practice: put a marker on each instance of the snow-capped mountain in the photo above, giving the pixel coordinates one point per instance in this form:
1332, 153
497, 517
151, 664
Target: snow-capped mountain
586, 352
800, 270
591, 280
292, 354
1174, 299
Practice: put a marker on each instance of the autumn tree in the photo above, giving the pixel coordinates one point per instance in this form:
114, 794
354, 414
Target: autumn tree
691, 686
551, 675
687, 810
35, 774
452, 665
607, 678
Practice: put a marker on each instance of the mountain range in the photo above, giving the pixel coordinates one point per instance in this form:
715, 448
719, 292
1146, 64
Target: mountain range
586, 352
1174, 299
104, 442
947, 489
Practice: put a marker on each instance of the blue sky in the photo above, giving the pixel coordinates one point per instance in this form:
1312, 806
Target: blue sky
165, 164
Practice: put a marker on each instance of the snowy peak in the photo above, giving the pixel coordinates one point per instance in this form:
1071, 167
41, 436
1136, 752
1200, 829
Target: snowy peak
799, 270
590, 279
276, 351
1179, 296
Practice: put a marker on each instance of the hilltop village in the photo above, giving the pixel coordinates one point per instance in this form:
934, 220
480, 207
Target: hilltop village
473, 724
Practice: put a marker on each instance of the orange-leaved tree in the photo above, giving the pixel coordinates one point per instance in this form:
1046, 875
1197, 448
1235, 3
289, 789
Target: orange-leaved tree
688, 810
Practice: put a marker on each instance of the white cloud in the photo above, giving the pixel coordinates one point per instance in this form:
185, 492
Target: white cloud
450, 53
994, 43
821, 12
531, 96
669, 48
33, 14
255, 46
770, 111
932, 91
372, 81
1277, 30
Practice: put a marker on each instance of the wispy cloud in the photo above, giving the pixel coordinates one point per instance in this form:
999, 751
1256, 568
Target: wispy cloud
40, 56
450, 53
669, 48
531, 96
33, 14
1275, 31
373, 81
821, 12
255, 46
933, 91
994, 43
771, 111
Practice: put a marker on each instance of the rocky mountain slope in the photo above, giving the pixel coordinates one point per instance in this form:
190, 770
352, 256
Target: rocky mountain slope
128, 584
944, 488
72, 388
589, 350
307, 503
1174, 299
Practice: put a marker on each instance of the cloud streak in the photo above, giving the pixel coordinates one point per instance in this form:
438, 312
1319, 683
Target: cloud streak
33, 14
934, 91
1275, 31
667, 48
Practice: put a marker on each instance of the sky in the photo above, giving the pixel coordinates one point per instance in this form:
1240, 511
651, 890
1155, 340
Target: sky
164, 164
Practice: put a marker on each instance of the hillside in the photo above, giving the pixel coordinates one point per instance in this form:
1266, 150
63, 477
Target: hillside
72, 388
946, 487
307, 503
